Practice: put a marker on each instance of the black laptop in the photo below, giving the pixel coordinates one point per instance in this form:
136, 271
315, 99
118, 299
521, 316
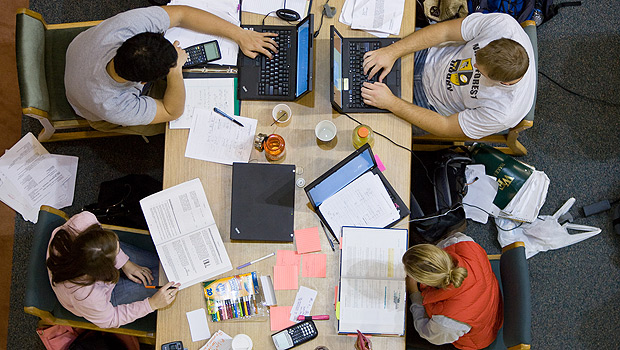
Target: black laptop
347, 72
285, 77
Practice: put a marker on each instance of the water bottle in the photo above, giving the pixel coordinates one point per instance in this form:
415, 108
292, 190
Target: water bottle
537, 16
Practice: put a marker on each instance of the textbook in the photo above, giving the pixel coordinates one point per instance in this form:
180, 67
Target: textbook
186, 237
372, 295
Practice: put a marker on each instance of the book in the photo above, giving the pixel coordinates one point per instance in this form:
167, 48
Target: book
186, 237
372, 295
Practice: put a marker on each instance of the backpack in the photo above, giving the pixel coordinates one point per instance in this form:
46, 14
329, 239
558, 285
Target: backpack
438, 186
521, 10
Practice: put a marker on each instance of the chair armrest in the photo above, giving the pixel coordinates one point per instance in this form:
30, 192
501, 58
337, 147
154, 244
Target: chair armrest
517, 298
30, 55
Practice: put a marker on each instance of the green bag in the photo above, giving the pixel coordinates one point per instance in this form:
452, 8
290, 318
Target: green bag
510, 173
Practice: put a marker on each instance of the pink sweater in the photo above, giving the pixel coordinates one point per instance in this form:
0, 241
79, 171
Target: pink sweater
93, 302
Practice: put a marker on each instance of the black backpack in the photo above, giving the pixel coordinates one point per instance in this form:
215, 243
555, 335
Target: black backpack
438, 186
521, 10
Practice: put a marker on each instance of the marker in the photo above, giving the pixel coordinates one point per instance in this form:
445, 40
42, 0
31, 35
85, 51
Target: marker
159, 287
255, 261
220, 112
315, 317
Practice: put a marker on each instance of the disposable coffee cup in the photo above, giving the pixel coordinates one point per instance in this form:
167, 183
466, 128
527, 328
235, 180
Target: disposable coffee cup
281, 113
242, 342
325, 130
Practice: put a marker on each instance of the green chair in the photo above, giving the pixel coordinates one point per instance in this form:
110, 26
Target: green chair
513, 275
40, 51
508, 138
40, 300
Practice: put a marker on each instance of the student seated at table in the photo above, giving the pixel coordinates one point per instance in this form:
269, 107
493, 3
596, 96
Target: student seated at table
83, 262
455, 297
108, 64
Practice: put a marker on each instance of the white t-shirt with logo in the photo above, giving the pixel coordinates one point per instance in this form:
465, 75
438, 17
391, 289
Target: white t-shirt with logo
453, 85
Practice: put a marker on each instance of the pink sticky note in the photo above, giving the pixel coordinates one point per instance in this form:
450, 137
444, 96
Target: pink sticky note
285, 277
287, 258
279, 317
314, 265
307, 240
379, 163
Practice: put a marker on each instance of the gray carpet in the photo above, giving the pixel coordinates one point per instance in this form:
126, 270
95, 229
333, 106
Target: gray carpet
574, 141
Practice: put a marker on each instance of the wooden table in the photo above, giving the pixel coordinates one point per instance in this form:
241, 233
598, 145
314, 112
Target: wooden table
312, 159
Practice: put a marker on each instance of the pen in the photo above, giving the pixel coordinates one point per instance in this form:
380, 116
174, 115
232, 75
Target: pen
158, 287
210, 70
316, 317
255, 261
331, 244
220, 112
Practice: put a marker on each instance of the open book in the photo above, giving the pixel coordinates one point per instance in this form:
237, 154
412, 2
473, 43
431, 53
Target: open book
372, 281
183, 229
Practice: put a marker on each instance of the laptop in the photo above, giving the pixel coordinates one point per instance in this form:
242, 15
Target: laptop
347, 59
285, 77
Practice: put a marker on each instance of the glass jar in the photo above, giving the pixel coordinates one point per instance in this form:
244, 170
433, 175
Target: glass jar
274, 147
363, 134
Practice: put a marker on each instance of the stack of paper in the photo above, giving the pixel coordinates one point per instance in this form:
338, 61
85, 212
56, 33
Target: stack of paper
378, 17
31, 177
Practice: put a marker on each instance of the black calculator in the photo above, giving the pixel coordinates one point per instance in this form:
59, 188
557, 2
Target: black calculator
202, 53
294, 335
175, 345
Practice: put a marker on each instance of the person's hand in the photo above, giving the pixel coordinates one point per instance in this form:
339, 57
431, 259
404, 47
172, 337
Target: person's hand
136, 273
412, 285
164, 296
377, 95
254, 43
376, 60
182, 56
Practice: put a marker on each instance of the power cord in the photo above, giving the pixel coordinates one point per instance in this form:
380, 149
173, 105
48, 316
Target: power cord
578, 94
328, 11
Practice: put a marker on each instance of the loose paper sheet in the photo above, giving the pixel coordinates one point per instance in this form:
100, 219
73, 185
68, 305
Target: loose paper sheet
279, 317
219, 341
186, 237
285, 277
378, 15
303, 303
215, 138
307, 240
198, 326
287, 258
205, 93
314, 265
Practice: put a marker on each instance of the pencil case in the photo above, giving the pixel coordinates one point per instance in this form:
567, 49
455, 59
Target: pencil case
236, 298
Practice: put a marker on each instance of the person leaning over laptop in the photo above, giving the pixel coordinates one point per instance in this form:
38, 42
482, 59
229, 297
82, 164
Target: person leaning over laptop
107, 66
473, 76
455, 297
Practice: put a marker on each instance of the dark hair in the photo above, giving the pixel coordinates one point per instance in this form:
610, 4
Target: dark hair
145, 57
503, 59
85, 259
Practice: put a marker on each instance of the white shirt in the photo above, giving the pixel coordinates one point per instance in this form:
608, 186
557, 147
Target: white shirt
438, 329
453, 85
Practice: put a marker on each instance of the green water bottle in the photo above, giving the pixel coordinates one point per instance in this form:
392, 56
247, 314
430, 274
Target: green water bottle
363, 134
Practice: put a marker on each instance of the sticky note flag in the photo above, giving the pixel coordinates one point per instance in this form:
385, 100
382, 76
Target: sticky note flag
285, 277
198, 326
287, 258
279, 317
314, 265
380, 165
307, 240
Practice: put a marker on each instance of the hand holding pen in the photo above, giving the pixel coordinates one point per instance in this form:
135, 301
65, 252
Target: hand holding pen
164, 296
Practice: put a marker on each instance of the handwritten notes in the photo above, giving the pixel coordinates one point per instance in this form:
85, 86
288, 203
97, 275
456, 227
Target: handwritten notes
307, 240
206, 93
287, 258
314, 265
303, 302
279, 317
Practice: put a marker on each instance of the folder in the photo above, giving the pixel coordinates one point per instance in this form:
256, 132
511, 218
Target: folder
263, 202
343, 174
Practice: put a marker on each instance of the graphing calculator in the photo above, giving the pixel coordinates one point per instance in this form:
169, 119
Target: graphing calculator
202, 53
294, 335
175, 345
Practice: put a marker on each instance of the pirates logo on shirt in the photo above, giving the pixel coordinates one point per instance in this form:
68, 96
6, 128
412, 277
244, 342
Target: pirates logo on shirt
461, 72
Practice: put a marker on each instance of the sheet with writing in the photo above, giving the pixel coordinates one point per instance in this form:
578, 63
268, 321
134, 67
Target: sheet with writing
215, 138
263, 7
205, 93
364, 202
186, 237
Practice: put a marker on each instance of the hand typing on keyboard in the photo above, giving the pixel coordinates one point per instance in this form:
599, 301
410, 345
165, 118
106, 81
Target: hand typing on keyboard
377, 60
378, 95
254, 43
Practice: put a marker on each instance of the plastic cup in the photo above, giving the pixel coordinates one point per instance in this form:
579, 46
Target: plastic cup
281, 113
325, 130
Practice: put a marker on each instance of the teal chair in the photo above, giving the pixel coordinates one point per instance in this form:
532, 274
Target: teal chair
40, 54
507, 140
513, 274
40, 299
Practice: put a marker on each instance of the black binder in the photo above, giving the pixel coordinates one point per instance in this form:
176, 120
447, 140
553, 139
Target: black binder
263, 202
343, 173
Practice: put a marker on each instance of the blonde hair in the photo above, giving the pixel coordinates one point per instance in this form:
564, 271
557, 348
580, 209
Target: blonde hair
503, 60
433, 266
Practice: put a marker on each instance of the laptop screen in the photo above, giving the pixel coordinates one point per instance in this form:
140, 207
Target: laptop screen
303, 56
337, 65
342, 177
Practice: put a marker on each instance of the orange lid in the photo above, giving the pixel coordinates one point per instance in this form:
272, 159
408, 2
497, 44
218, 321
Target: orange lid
362, 132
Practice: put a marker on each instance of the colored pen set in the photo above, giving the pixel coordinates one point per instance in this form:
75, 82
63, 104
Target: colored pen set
235, 298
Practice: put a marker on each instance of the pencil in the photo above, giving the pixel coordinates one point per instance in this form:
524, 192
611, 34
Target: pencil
159, 287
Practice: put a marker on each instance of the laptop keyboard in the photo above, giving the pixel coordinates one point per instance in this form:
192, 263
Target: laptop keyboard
356, 65
274, 75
